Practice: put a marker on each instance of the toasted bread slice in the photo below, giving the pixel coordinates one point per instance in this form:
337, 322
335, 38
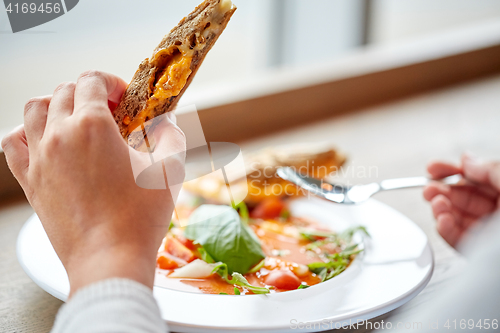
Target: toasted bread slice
160, 81
318, 160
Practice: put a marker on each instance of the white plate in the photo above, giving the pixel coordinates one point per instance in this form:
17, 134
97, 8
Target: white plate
396, 266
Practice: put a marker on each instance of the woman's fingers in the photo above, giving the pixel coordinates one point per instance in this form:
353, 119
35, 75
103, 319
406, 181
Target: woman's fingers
439, 170
448, 228
450, 222
35, 120
440, 204
487, 173
15, 146
171, 148
62, 103
164, 167
467, 199
456, 208
94, 89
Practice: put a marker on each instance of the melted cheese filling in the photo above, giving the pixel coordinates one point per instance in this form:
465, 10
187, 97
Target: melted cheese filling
174, 77
175, 73
171, 82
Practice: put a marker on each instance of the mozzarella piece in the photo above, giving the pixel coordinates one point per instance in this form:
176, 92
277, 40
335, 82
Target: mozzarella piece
197, 269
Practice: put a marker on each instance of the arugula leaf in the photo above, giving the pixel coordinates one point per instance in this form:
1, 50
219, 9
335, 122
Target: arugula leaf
327, 270
350, 247
317, 267
241, 281
236, 291
337, 264
243, 211
312, 234
347, 254
285, 214
237, 279
257, 267
335, 272
322, 273
349, 233
314, 245
225, 238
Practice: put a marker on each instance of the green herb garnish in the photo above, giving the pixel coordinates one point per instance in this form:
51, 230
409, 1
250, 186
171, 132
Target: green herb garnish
314, 245
337, 263
257, 267
285, 214
236, 291
313, 235
225, 238
238, 279
347, 234
243, 211
303, 286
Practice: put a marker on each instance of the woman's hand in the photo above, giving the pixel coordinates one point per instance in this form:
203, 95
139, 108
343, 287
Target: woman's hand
457, 208
75, 169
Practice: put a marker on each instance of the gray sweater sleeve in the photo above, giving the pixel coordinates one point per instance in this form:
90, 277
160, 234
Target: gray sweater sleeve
109, 306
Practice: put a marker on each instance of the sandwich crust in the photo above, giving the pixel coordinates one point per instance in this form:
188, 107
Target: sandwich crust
152, 91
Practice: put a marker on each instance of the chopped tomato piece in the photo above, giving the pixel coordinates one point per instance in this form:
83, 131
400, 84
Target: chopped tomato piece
270, 208
165, 262
283, 279
186, 242
177, 249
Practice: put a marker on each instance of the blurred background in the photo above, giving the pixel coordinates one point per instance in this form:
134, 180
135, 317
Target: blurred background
392, 84
263, 36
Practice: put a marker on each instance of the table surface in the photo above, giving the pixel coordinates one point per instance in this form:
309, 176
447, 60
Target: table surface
391, 140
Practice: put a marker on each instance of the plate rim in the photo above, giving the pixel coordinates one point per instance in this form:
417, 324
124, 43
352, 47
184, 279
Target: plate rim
368, 313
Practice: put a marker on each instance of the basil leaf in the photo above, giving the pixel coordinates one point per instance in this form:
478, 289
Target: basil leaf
225, 237
237, 279
205, 256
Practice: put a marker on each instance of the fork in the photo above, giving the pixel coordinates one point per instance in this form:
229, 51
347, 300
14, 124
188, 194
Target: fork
344, 194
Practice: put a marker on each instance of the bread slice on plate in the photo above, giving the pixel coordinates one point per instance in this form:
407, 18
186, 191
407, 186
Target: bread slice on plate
161, 80
318, 160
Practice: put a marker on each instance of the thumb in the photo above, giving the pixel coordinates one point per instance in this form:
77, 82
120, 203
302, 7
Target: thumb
166, 162
171, 148
169, 139
483, 172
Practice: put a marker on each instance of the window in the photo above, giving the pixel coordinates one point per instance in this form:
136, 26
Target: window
116, 35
